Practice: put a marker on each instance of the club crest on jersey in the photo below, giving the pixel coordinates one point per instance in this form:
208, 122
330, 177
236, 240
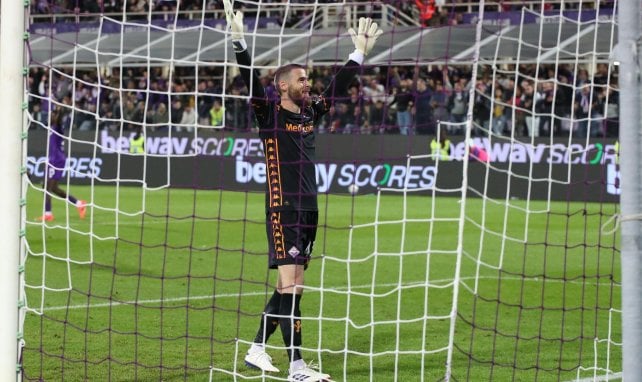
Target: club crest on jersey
294, 251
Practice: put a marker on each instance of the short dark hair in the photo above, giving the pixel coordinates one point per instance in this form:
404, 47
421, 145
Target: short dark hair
284, 71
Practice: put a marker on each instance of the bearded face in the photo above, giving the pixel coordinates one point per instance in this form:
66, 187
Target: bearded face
298, 87
298, 95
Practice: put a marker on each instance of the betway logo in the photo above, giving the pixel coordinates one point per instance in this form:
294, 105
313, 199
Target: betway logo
215, 146
576, 153
363, 175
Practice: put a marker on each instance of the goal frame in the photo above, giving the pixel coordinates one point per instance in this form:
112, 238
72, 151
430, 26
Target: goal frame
12, 61
12, 101
627, 54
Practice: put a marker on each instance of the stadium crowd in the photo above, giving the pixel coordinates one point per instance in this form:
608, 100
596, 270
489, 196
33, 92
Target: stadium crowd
427, 13
530, 100
395, 100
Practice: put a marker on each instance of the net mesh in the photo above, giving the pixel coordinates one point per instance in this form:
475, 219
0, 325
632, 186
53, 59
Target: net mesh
493, 261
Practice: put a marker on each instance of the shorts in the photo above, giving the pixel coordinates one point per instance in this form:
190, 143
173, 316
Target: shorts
54, 173
291, 237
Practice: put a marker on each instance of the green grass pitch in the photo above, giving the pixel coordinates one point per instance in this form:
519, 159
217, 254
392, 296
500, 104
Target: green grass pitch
165, 284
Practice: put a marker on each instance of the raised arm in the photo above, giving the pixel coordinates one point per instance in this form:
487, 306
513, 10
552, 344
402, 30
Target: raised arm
250, 76
364, 39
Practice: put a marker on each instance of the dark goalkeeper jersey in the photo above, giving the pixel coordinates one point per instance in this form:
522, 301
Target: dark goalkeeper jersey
288, 139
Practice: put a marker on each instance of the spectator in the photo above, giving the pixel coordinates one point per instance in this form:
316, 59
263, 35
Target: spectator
426, 11
440, 146
268, 85
132, 114
88, 6
237, 110
529, 100
439, 102
612, 110
376, 121
38, 116
176, 112
137, 142
355, 111
518, 123
138, 7
374, 91
563, 103
424, 124
188, 118
107, 120
160, 118
141, 113
86, 121
403, 102
217, 113
111, 6
583, 110
481, 108
205, 103
458, 106
544, 108
63, 85
598, 109
499, 112
157, 94
347, 118
601, 76
582, 78
41, 6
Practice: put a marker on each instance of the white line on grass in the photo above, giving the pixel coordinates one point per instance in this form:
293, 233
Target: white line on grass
599, 378
155, 301
261, 293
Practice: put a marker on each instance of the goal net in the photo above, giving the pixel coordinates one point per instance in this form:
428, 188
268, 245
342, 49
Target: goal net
474, 242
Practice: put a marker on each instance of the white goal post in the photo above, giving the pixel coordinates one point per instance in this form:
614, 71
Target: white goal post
12, 62
627, 52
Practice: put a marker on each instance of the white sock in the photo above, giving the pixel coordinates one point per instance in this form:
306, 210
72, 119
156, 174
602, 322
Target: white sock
297, 365
257, 347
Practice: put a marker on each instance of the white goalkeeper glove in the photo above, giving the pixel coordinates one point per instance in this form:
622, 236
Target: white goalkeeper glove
366, 36
235, 23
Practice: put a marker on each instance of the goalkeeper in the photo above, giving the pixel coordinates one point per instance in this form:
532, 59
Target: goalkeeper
286, 128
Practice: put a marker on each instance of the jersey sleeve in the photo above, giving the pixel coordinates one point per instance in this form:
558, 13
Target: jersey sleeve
253, 82
337, 89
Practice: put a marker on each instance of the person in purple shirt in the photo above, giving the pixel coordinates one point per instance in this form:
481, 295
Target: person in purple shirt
56, 162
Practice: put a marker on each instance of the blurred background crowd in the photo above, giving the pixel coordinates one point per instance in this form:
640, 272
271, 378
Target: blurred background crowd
522, 100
